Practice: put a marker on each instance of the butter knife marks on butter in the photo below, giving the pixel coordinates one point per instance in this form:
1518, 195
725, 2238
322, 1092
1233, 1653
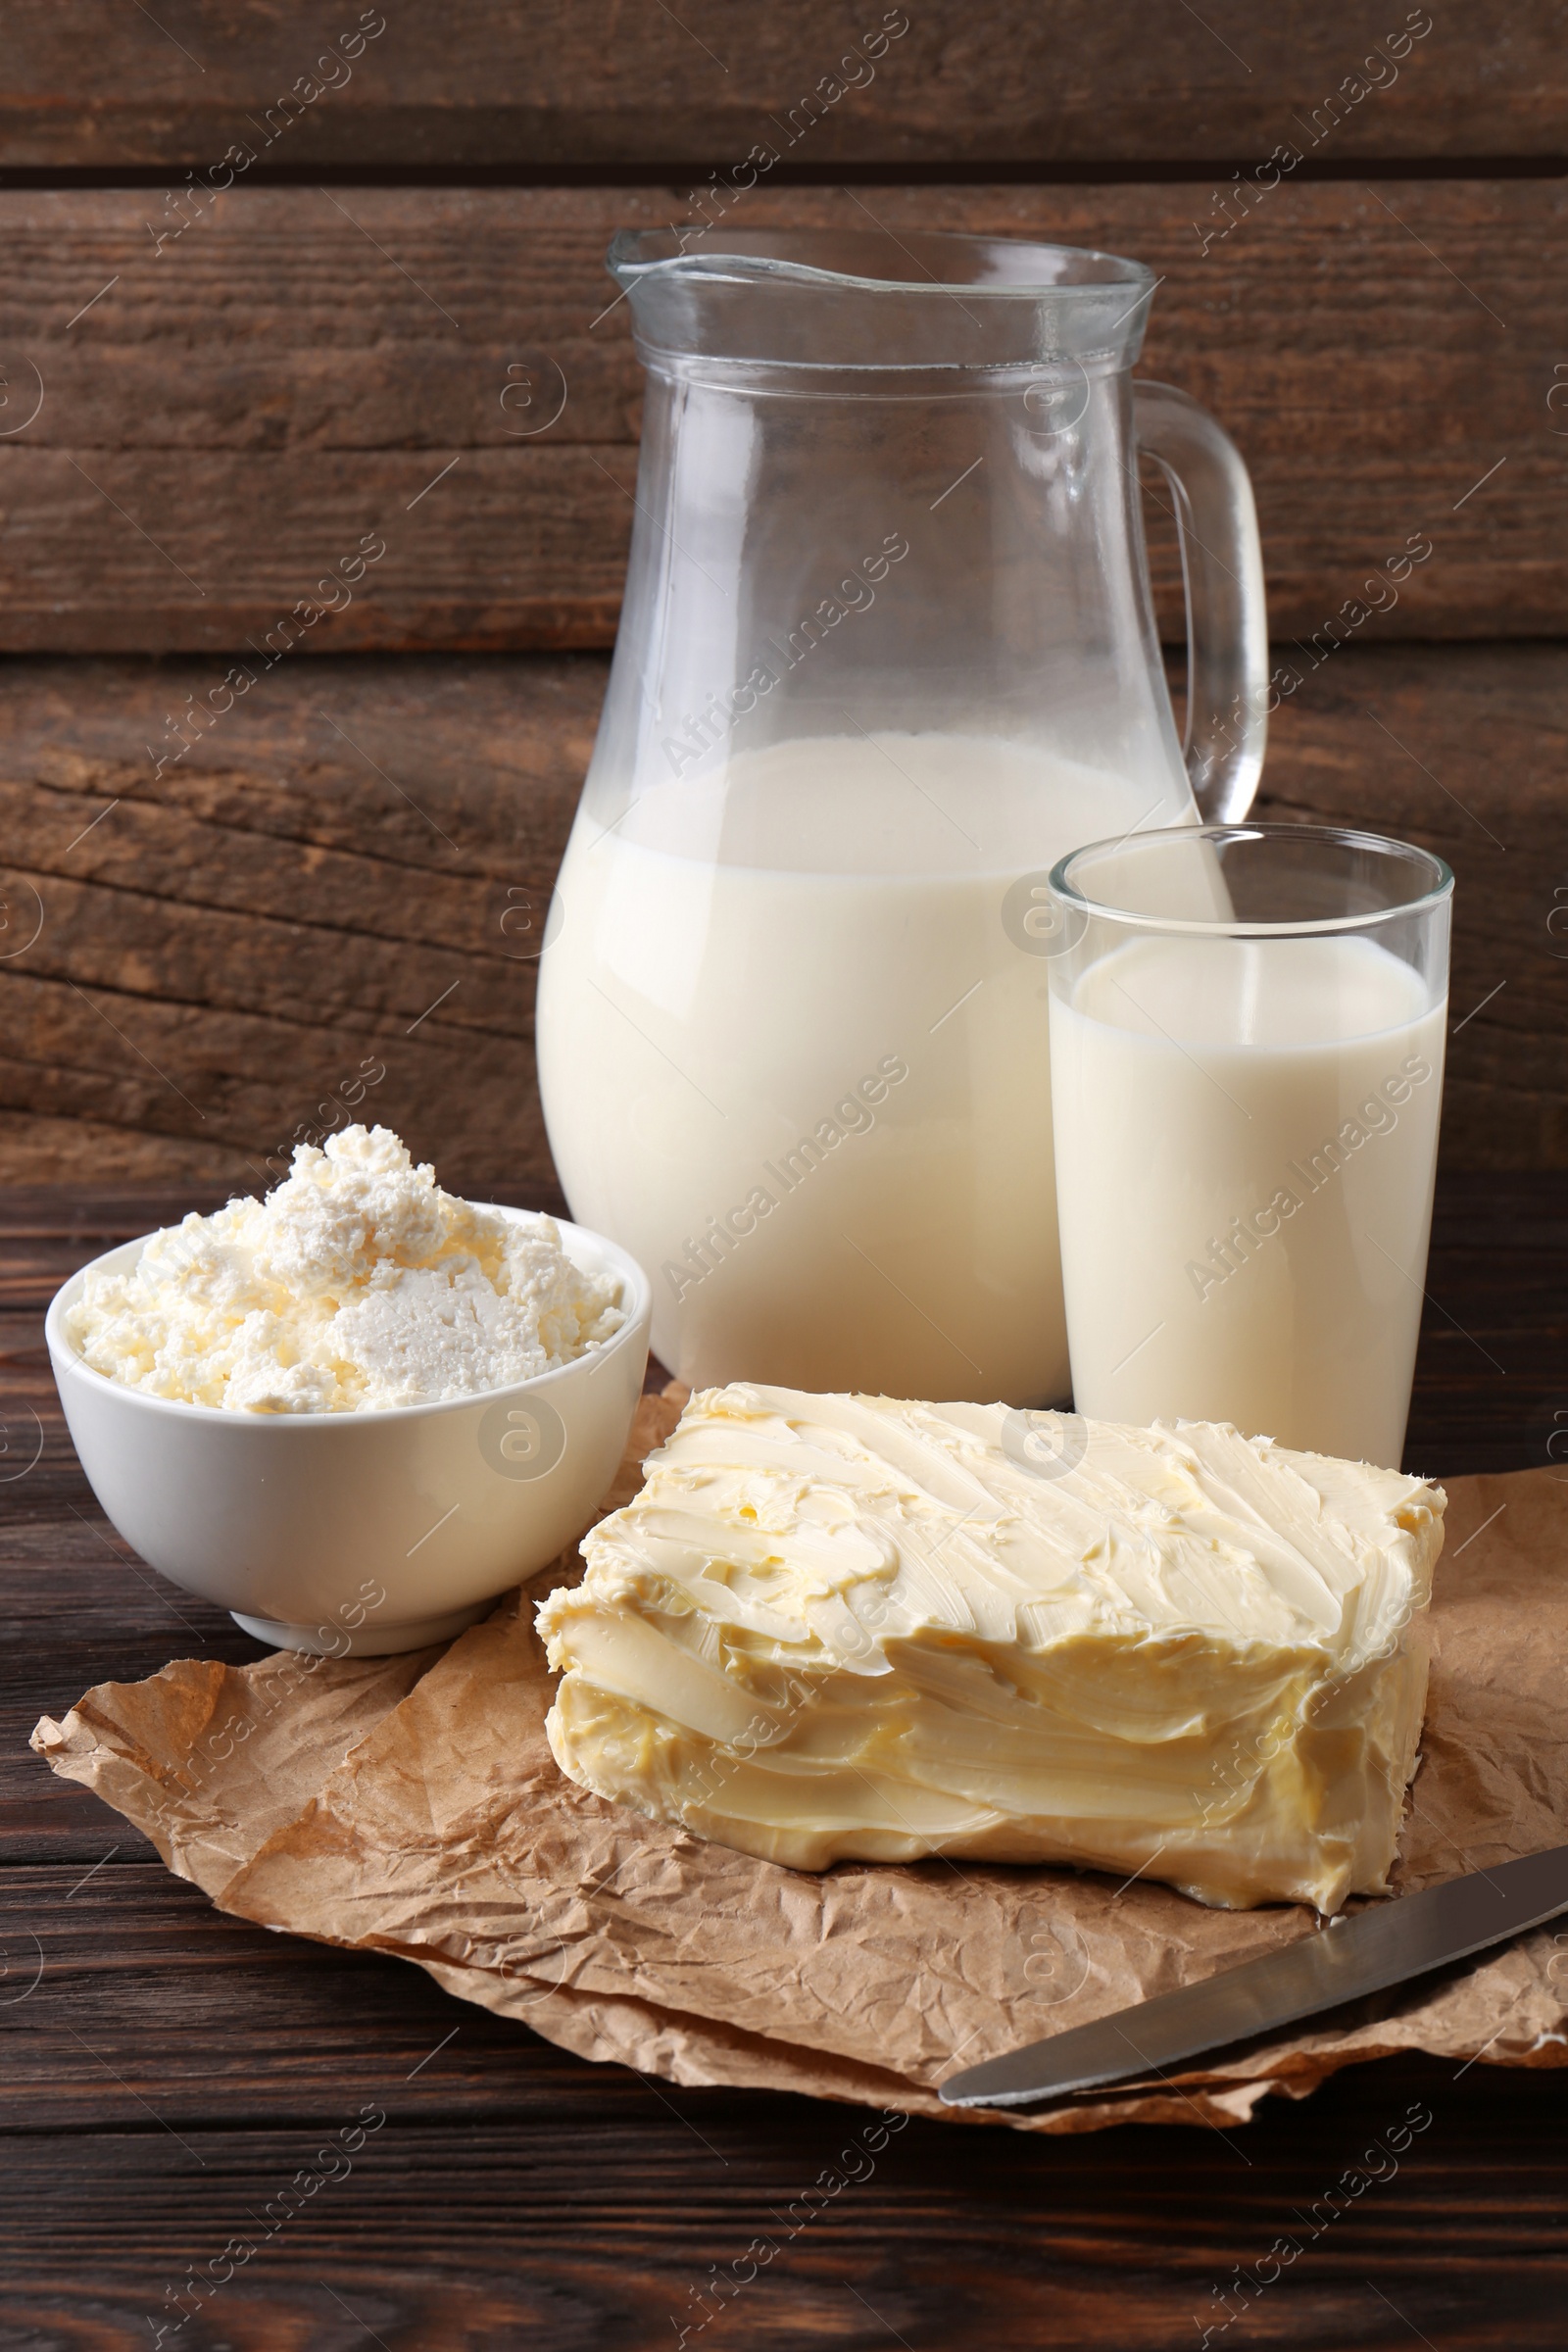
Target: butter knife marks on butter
846, 1626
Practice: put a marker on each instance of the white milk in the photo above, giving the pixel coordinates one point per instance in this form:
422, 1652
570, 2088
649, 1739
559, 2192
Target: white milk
792, 1060
1245, 1135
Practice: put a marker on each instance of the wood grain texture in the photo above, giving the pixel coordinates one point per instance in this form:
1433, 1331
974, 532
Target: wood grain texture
322, 886
224, 420
490, 2235
1059, 83
225, 953
593, 2223
167, 2070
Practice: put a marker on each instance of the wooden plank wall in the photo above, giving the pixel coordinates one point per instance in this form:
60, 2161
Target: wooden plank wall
219, 378
298, 368
555, 87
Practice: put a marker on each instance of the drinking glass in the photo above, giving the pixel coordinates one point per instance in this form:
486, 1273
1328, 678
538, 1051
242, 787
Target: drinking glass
1247, 1045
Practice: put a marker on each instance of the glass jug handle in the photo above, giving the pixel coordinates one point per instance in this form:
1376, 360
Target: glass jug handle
1222, 572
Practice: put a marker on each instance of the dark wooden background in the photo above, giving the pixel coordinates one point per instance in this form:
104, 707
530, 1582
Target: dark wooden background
194, 426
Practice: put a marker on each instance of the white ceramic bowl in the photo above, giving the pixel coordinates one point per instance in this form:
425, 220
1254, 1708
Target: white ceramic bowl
364, 1532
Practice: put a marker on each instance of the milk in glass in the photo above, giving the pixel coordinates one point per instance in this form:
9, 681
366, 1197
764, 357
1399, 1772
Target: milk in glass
1246, 1138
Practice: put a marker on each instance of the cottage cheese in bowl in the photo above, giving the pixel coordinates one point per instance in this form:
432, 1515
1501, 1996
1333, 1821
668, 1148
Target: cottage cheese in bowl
356, 1413
358, 1283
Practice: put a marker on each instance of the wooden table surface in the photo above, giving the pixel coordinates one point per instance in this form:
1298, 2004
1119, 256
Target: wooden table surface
169, 2068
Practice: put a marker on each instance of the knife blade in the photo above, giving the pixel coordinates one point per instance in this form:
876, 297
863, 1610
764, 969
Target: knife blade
1349, 1957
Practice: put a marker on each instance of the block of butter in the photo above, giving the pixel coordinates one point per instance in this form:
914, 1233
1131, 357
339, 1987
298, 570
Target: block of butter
835, 1626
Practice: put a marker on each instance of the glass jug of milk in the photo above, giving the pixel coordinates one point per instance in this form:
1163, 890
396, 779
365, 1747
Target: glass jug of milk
887, 653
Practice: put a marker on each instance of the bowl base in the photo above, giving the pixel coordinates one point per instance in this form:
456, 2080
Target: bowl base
370, 1641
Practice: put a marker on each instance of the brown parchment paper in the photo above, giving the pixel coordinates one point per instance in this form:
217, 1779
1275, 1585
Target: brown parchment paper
411, 1805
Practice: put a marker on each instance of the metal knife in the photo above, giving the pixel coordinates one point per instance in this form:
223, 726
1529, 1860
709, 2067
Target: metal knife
1380, 1946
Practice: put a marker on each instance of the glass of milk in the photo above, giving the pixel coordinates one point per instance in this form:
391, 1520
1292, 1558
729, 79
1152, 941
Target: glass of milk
1246, 1043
